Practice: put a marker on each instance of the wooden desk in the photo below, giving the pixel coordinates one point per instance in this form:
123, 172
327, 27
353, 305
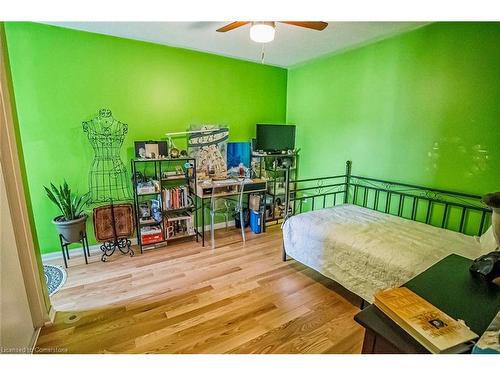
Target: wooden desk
227, 188
449, 286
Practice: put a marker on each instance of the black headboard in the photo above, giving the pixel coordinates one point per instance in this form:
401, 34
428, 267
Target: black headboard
460, 212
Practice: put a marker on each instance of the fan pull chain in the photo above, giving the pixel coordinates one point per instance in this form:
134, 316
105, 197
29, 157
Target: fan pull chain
262, 54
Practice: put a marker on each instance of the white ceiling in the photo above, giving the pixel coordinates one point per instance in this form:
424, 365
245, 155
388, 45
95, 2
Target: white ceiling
292, 45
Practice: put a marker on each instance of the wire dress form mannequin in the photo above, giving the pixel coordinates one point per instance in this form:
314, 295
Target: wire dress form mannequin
108, 180
108, 175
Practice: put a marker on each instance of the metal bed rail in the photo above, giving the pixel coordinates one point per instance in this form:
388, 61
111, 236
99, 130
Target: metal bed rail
313, 193
457, 211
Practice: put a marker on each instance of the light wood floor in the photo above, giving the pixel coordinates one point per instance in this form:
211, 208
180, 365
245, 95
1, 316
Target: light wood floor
187, 299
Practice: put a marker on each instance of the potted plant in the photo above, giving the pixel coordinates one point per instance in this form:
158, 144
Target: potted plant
72, 220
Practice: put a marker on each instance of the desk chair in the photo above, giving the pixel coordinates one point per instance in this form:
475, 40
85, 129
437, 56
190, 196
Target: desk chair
225, 209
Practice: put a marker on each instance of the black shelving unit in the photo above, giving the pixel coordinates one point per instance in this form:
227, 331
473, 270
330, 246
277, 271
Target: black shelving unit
270, 166
153, 169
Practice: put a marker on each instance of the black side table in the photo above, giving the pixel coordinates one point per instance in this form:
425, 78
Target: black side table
450, 287
85, 246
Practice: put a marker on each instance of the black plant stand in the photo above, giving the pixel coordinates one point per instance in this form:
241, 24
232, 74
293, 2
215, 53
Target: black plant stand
65, 251
123, 244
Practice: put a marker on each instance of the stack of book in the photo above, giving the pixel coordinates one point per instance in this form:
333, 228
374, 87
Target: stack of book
431, 327
175, 198
151, 234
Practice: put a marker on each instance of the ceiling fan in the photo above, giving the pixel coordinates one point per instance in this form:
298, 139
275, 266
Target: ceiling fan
263, 31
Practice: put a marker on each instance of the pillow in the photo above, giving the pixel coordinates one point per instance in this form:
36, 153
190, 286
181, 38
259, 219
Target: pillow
487, 241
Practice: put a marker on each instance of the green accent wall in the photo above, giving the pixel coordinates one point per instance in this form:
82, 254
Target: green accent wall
61, 77
420, 107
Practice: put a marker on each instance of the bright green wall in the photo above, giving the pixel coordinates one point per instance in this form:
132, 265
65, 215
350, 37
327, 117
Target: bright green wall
421, 107
62, 77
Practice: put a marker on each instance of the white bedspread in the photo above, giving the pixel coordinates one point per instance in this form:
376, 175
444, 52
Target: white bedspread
367, 251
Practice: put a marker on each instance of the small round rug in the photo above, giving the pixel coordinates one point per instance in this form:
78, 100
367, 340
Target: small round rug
55, 277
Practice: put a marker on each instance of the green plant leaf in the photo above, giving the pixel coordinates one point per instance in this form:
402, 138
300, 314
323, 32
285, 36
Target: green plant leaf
71, 205
53, 198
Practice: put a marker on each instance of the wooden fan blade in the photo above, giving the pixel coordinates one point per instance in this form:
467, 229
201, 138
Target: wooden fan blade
315, 25
232, 26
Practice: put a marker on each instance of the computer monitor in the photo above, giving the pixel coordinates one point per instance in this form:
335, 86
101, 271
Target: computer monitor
275, 138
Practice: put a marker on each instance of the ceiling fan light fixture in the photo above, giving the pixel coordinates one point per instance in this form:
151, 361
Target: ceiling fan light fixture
262, 32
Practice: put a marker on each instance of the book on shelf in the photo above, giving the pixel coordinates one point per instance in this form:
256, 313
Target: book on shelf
175, 198
435, 330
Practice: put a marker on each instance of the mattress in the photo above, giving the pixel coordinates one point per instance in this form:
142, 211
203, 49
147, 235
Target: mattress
367, 251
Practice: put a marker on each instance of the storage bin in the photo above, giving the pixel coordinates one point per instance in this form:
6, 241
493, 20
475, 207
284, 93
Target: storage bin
255, 221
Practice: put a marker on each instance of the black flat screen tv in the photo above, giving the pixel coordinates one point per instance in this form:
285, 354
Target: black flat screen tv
275, 138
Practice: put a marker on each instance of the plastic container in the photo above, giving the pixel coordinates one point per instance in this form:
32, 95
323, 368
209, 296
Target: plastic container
255, 221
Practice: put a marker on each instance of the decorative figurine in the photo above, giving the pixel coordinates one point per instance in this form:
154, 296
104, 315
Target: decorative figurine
108, 175
174, 153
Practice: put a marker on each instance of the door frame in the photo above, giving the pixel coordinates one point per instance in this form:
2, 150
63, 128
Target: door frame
11, 162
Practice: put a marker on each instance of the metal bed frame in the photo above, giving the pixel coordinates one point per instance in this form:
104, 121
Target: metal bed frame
460, 212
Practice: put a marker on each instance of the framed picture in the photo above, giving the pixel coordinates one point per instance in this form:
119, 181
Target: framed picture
150, 149
209, 148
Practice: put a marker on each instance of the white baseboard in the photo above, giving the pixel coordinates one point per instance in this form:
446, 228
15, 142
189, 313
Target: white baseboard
96, 249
